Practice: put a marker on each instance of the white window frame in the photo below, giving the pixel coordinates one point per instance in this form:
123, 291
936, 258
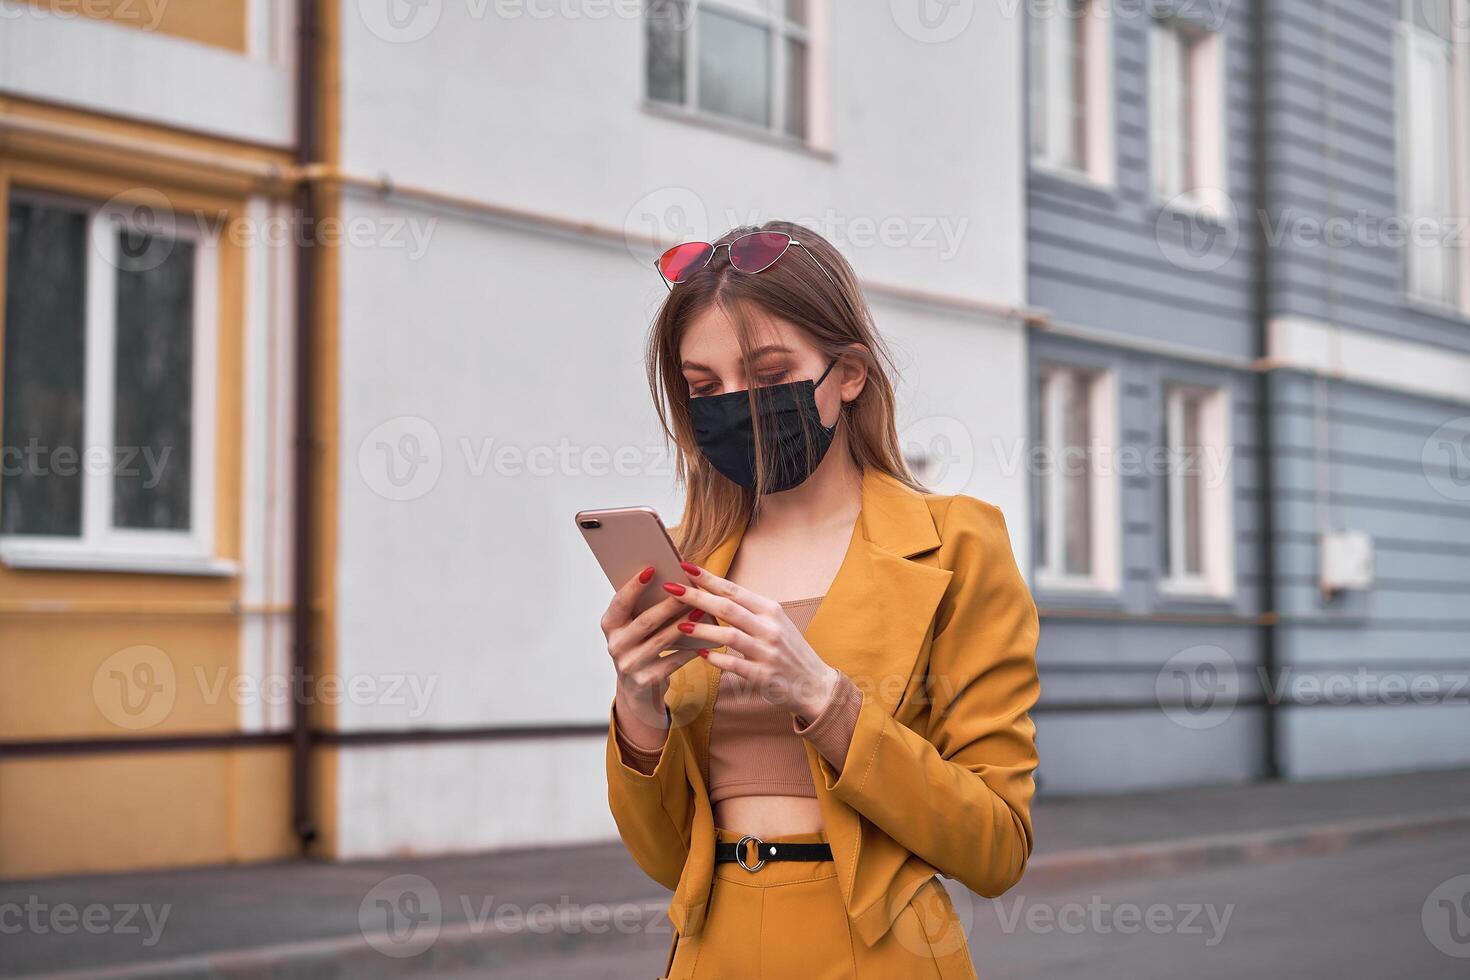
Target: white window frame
1217, 504
271, 31
100, 546
1055, 385
1451, 122
771, 17
1202, 191
1048, 27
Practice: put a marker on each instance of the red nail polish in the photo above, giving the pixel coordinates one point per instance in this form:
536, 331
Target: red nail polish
704, 654
674, 588
686, 627
646, 575
689, 567
696, 616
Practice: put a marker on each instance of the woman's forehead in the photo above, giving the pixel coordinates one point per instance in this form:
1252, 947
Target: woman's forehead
712, 336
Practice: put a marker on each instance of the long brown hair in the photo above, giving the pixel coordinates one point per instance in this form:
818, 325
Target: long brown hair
834, 317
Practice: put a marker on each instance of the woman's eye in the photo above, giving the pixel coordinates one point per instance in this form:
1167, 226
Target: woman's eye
771, 379
701, 390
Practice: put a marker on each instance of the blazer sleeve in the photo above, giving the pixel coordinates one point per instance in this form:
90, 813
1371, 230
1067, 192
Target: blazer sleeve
959, 794
654, 812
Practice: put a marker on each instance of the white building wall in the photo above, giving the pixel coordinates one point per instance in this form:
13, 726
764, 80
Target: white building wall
471, 597
135, 72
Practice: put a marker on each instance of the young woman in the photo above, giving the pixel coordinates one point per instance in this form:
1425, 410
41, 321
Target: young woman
859, 720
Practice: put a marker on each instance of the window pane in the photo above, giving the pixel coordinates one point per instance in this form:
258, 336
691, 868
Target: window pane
1168, 438
1193, 488
1077, 479
45, 370
1061, 75
734, 68
1431, 15
1077, 97
1169, 110
796, 88
667, 25
153, 421
1190, 81
796, 11
1431, 260
1045, 473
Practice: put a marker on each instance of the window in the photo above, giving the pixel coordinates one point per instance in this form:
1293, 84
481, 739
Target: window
1186, 116
1070, 89
1198, 544
1426, 150
1076, 489
107, 428
741, 60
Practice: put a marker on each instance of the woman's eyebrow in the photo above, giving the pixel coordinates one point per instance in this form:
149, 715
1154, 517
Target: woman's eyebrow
756, 354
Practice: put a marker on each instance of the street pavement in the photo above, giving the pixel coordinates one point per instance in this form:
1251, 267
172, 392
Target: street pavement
1355, 915
1319, 878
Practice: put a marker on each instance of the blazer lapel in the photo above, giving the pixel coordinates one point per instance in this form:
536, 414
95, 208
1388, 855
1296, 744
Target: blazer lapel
876, 613
872, 626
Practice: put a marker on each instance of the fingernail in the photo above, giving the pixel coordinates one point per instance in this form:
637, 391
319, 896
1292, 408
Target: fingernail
696, 616
689, 567
646, 575
686, 627
704, 654
674, 588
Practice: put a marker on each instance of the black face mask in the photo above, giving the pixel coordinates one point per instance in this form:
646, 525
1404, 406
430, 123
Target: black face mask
789, 421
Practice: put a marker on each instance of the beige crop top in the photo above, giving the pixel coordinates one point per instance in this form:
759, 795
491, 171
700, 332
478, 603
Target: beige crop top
755, 746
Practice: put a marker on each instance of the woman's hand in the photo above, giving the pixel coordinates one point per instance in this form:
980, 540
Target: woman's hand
634, 643
763, 645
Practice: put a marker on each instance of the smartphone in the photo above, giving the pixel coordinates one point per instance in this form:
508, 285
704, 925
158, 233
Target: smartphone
626, 540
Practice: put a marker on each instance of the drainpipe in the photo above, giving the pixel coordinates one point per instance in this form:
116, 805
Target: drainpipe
304, 436
1265, 514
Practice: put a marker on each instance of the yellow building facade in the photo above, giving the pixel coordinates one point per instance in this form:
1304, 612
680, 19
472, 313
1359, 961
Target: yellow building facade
150, 273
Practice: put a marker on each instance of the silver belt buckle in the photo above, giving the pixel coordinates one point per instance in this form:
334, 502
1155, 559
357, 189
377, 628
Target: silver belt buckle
740, 852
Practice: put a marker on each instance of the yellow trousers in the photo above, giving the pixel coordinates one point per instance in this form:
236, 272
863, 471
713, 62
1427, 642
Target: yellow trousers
786, 921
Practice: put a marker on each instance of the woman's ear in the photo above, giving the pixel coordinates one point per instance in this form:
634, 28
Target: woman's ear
852, 371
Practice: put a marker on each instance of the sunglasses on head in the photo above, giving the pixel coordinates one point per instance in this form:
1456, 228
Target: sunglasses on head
752, 253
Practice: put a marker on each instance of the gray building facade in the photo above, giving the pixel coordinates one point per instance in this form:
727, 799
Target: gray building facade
1250, 381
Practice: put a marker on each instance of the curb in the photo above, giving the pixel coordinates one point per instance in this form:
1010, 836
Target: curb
1250, 847
467, 945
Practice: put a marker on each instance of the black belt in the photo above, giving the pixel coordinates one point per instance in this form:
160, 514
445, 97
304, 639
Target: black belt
736, 851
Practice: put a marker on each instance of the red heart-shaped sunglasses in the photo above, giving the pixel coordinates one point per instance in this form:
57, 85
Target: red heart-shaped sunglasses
752, 253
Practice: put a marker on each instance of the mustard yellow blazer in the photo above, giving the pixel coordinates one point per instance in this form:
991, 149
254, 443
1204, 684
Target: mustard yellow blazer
929, 616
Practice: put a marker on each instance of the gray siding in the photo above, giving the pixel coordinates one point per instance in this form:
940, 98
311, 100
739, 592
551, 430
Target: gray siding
1352, 457
1099, 257
1101, 657
1344, 456
1332, 153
